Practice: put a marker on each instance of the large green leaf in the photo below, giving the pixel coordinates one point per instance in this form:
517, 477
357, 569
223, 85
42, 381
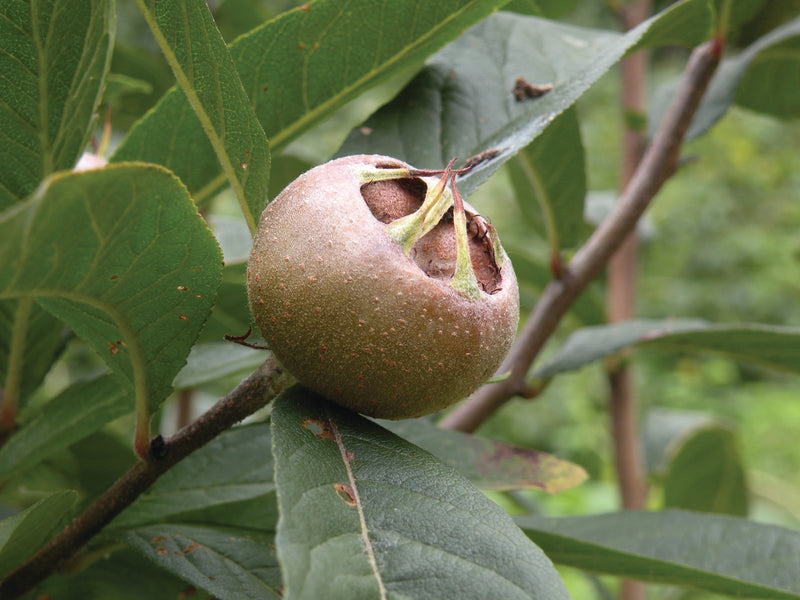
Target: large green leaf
762, 345
462, 103
763, 77
231, 563
205, 71
234, 467
706, 474
488, 464
366, 515
55, 57
724, 555
122, 256
298, 69
549, 178
697, 460
76, 413
24, 533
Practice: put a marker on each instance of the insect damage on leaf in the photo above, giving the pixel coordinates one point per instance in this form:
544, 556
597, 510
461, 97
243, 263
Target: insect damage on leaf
524, 90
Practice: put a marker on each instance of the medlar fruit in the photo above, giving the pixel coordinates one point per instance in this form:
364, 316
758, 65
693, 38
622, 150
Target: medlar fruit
377, 287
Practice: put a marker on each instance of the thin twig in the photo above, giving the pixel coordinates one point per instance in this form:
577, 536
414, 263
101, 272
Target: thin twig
657, 165
250, 395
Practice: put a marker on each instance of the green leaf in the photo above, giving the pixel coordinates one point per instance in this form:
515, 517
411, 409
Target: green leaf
230, 563
76, 413
552, 9
364, 514
213, 360
706, 474
24, 533
101, 459
770, 82
234, 467
115, 572
696, 458
211, 518
462, 102
236, 17
719, 554
763, 77
488, 464
54, 73
205, 72
761, 345
298, 69
55, 59
231, 314
122, 256
740, 11
549, 180
144, 64
30, 341
118, 86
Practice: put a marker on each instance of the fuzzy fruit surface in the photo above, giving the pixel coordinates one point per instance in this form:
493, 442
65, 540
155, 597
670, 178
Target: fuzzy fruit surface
355, 319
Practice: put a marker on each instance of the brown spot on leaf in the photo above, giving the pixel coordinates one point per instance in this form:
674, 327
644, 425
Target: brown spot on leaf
186, 592
183, 317
524, 90
189, 549
161, 551
345, 492
319, 427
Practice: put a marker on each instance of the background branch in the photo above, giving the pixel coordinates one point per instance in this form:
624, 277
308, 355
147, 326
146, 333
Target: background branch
250, 395
621, 284
657, 165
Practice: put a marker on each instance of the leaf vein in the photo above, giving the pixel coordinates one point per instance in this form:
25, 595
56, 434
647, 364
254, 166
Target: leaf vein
337, 436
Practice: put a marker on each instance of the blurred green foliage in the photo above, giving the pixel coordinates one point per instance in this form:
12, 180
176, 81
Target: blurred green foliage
723, 245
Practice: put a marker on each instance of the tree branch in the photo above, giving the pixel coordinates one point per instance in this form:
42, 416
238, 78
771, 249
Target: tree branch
656, 167
251, 394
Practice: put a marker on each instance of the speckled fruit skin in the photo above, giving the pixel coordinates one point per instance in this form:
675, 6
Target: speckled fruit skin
353, 318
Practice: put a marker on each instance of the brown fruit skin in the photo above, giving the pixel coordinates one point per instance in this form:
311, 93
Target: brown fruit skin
354, 319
